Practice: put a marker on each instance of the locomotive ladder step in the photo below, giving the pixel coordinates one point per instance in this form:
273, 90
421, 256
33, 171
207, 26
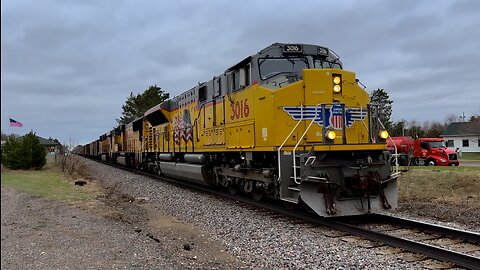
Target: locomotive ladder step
290, 200
294, 188
298, 178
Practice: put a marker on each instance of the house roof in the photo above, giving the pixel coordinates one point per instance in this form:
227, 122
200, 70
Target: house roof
47, 142
462, 129
43, 141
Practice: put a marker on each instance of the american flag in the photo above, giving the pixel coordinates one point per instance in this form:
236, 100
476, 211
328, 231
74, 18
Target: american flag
182, 128
187, 126
14, 123
177, 126
188, 133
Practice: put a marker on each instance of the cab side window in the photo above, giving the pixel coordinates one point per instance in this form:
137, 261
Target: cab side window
239, 78
202, 93
245, 76
232, 81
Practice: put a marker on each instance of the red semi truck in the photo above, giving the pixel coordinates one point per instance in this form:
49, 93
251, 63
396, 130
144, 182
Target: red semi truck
423, 151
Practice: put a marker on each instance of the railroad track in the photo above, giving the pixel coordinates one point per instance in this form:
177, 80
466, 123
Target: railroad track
414, 239
433, 241
406, 234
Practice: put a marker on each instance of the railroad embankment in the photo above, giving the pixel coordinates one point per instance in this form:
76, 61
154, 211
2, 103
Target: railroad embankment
449, 194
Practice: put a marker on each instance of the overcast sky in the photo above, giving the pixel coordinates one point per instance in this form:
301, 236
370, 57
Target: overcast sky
67, 67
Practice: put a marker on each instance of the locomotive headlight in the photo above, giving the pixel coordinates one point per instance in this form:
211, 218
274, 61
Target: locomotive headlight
330, 135
383, 134
337, 80
337, 83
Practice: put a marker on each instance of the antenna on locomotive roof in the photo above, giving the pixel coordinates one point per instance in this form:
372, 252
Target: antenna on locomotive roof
359, 82
335, 54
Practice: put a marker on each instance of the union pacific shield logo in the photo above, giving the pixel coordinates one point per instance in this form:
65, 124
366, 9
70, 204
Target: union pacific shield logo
336, 120
333, 115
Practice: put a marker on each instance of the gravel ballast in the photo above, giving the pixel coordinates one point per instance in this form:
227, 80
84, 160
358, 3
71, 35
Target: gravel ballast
176, 228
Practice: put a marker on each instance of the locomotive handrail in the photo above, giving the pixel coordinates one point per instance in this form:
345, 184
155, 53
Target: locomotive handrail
286, 139
395, 156
396, 153
363, 121
299, 141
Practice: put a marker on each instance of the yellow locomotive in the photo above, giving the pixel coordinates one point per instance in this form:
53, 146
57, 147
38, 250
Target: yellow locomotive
286, 123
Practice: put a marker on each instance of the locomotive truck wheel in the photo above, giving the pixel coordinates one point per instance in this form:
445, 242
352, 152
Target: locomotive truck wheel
232, 189
289, 205
256, 194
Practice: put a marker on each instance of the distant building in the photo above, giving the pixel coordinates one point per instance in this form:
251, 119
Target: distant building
464, 136
50, 145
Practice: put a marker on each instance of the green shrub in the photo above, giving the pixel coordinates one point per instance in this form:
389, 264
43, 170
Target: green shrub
24, 153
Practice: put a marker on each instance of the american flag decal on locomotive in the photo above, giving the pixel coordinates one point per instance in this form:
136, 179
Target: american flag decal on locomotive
333, 115
182, 128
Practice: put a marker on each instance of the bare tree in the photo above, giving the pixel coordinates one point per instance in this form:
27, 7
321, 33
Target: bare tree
451, 118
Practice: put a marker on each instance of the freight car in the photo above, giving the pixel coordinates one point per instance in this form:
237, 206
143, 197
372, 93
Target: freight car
287, 123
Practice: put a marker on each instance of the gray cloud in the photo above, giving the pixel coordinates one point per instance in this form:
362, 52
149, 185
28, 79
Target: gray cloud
68, 66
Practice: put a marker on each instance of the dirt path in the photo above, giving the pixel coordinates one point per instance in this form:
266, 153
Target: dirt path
111, 232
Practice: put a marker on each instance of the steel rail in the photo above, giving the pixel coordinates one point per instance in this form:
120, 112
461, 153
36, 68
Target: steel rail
467, 236
440, 254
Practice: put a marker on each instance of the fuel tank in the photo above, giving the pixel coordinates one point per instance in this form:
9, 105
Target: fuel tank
193, 173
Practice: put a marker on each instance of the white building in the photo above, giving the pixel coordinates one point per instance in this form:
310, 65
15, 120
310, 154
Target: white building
464, 136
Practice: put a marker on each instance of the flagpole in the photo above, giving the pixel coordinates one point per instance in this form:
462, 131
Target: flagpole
9, 131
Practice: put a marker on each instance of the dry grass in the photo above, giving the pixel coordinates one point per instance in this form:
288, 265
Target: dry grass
72, 166
460, 188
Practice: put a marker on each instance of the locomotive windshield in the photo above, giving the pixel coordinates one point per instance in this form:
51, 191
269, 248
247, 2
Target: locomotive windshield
271, 67
323, 63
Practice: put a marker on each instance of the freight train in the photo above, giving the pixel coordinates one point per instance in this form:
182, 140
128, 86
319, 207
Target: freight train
287, 123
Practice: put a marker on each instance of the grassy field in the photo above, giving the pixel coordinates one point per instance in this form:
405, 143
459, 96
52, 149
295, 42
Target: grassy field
446, 168
46, 182
441, 184
455, 185
470, 156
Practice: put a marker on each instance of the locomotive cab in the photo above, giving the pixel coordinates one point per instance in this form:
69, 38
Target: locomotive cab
280, 65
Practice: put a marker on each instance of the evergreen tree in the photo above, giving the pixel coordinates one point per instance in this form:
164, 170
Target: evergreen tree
24, 153
137, 105
416, 131
398, 128
35, 153
381, 98
11, 154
